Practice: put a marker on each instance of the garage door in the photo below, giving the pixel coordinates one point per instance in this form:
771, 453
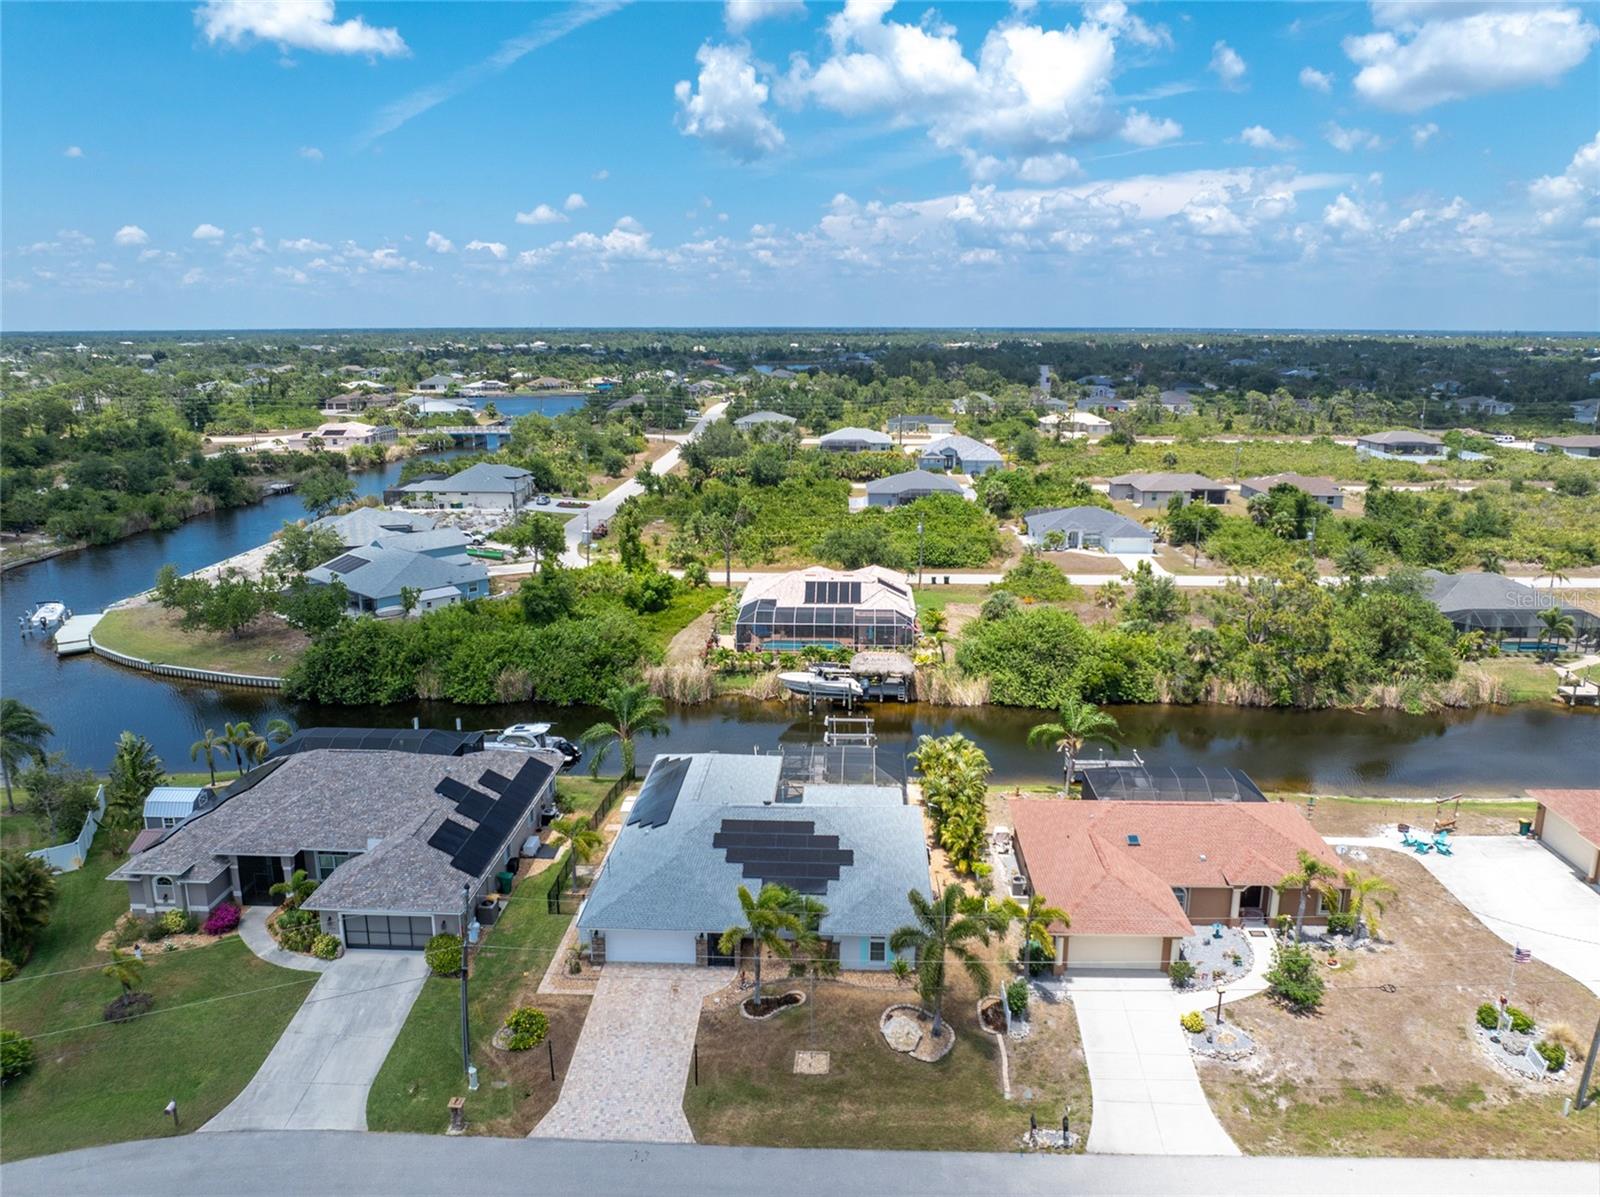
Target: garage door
1565, 841
649, 947
386, 931
1113, 951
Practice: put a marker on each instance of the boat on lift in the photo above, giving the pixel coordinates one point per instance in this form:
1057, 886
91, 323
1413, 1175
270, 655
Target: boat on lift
822, 679
45, 615
534, 737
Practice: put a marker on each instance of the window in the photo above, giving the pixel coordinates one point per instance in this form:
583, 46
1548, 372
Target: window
1181, 893
165, 890
877, 950
329, 861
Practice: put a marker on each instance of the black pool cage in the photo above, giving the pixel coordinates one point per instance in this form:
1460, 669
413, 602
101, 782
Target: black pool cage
762, 623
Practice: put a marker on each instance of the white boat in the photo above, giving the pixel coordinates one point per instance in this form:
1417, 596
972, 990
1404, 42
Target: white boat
821, 681
45, 615
530, 737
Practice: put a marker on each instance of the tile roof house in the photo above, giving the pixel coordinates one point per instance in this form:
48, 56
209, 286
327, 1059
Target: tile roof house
856, 440
376, 577
392, 837
1568, 823
1136, 877
1323, 490
959, 455
1157, 488
1088, 528
707, 823
899, 489
485, 486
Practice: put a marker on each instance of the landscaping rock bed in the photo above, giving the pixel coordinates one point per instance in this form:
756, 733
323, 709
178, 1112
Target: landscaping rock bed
1514, 1053
771, 1004
1049, 1140
909, 1030
1228, 1042
1213, 958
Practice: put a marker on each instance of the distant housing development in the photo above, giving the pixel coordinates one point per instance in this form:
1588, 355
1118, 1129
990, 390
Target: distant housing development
1088, 528
1157, 489
1323, 490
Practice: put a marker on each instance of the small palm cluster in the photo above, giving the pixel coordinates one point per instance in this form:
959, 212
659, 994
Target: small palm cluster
247, 745
1366, 894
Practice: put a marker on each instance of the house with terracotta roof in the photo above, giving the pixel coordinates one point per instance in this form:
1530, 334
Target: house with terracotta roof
1568, 823
1135, 878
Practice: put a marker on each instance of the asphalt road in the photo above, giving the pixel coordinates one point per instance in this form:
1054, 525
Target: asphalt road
281, 1164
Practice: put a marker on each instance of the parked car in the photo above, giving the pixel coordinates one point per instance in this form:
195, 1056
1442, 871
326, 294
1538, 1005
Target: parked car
542, 501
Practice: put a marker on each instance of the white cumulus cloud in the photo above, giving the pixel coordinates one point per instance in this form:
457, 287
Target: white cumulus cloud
1347, 216
1562, 200
1227, 66
726, 104
295, 24
494, 249
130, 234
73, 151
207, 232
1259, 137
439, 243
1144, 129
739, 15
302, 245
1428, 54
1347, 141
1314, 80
575, 203
1421, 135
541, 214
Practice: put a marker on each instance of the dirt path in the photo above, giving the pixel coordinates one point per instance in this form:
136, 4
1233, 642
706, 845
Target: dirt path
689, 645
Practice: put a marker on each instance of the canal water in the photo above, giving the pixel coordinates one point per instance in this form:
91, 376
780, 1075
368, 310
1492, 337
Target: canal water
90, 702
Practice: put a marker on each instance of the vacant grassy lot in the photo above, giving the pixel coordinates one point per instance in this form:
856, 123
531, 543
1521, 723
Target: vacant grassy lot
1368, 816
267, 648
874, 1097
1389, 1065
424, 1070
218, 1012
1523, 680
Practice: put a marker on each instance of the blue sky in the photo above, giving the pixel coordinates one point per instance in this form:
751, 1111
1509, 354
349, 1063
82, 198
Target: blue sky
305, 163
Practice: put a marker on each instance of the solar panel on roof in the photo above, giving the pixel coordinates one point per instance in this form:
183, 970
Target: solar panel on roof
475, 806
346, 563
653, 807
497, 823
494, 781
785, 851
452, 789
449, 836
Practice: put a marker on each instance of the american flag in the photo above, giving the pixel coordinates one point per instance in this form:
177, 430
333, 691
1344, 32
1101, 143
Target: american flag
1521, 955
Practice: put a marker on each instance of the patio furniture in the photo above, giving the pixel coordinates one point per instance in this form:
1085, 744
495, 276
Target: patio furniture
1421, 847
1443, 848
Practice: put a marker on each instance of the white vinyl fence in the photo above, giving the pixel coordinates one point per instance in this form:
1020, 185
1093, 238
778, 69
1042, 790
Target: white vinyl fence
69, 857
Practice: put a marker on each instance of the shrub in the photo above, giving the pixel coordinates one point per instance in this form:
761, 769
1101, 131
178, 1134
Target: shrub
1181, 972
1293, 979
1194, 1022
16, 1054
128, 1005
223, 919
7, 970
1341, 922
1488, 1016
298, 939
128, 931
1017, 997
175, 922
325, 947
153, 929
1556, 1032
1521, 1020
443, 955
528, 1028
1555, 1056
900, 969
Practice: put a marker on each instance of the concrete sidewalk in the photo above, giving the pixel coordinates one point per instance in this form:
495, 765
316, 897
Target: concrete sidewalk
318, 1074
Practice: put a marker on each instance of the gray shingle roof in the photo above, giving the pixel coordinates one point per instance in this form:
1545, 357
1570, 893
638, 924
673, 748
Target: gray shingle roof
365, 524
671, 877
1158, 480
1318, 487
1457, 594
913, 480
483, 478
965, 447
426, 541
763, 417
1083, 519
383, 573
865, 436
1400, 437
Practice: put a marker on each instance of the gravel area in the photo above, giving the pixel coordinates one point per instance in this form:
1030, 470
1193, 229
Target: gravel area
1515, 1054
1213, 957
1227, 1042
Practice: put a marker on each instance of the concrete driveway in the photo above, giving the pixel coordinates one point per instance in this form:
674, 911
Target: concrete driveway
318, 1074
628, 1071
1147, 1096
1524, 893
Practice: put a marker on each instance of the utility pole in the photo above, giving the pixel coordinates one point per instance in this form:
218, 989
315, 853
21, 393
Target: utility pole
919, 550
1588, 1069
466, 1040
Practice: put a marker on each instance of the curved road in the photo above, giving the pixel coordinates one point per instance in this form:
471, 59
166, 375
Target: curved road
275, 1163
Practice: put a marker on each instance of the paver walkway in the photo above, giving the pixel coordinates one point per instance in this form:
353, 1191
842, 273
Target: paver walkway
629, 1069
319, 1072
1147, 1095
1521, 891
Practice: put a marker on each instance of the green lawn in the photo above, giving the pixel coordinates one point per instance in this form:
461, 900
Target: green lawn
267, 648
424, 1070
659, 627
25, 830
1524, 680
584, 791
218, 1012
936, 598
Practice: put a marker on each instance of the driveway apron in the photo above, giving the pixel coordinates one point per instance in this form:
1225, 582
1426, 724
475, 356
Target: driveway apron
318, 1074
631, 1063
1147, 1096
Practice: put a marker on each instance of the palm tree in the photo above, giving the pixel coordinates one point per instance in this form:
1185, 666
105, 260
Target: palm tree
208, 745
634, 711
1036, 919
22, 738
127, 971
584, 840
767, 918
934, 625
1312, 875
295, 890
1365, 891
1558, 625
1079, 722
233, 735
27, 892
1491, 562
942, 930
279, 730
1556, 563
812, 957
135, 771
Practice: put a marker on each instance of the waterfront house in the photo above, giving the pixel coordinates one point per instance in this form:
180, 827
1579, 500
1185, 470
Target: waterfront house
1568, 823
1137, 877
1401, 445
1168, 783
444, 543
1323, 490
1156, 489
365, 524
900, 489
443, 407
401, 843
861, 608
486, 486
856, 440
344, 434
377, 579
706, 823
921, 425
959, 455
1572, 446
1088, 528
436, 384
1500, 607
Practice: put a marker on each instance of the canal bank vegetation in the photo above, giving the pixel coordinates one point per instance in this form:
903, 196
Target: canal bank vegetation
265, 647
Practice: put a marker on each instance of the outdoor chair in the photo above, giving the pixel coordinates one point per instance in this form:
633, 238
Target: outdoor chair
1443, 848
1421, 847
